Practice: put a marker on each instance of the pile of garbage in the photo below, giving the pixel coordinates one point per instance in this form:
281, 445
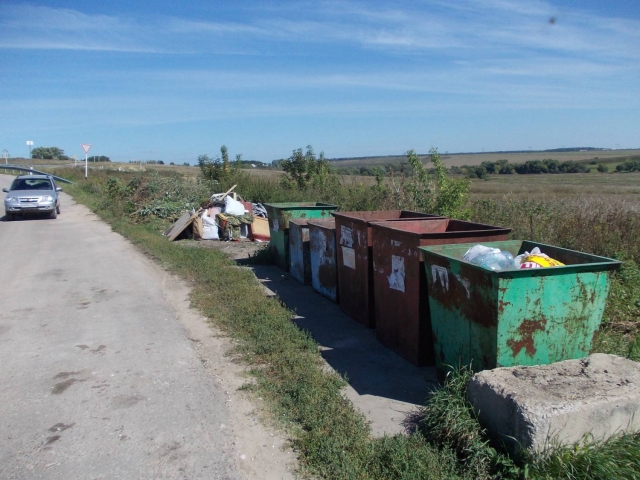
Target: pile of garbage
224, 216
498, 260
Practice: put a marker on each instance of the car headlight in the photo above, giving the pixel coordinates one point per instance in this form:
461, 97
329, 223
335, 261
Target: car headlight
11, 199
47, 198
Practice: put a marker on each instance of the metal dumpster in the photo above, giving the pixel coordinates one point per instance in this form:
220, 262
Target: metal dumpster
324, 272
355, 261
533, 316
401, 298
299, 255
279, 215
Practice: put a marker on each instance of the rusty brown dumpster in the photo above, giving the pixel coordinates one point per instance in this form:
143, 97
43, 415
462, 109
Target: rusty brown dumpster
401, 292
354, 259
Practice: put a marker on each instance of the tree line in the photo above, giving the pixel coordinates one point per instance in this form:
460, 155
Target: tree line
504, 167
55, 153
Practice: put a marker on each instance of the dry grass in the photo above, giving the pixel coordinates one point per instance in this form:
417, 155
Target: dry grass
460, 159
561, 184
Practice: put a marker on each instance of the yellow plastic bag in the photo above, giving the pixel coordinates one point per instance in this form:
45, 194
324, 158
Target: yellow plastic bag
539, 261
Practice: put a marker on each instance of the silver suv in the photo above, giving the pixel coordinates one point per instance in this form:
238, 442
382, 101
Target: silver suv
32, 194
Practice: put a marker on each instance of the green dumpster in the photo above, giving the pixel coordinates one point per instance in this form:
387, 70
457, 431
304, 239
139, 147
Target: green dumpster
279, 215
532, 316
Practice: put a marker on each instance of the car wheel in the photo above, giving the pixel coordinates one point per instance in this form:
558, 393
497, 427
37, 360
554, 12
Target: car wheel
53, 214
58, 209
8, 217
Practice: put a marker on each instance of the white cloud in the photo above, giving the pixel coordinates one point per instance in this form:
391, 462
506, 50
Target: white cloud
465, 29
46, 28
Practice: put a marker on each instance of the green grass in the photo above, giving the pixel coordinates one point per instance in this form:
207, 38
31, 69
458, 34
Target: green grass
616, 458
331, 438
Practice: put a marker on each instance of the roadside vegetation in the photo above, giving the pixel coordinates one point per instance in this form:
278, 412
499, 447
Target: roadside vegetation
331, 438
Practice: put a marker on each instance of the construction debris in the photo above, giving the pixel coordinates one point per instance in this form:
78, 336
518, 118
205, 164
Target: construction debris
225, 216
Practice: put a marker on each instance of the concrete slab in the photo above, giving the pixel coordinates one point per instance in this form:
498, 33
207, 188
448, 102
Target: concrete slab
385, 387
536, 407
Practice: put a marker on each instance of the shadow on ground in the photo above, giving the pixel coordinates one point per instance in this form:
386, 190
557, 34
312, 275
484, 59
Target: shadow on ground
348, 347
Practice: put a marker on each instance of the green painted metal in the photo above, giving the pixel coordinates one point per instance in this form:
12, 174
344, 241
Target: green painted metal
279, 215
525, 317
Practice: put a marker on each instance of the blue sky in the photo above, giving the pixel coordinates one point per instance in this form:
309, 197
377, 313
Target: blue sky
172, 80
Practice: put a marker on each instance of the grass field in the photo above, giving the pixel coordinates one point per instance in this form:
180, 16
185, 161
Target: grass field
593, 183
460, 159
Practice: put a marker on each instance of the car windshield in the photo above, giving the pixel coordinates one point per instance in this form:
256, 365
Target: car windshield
31, 184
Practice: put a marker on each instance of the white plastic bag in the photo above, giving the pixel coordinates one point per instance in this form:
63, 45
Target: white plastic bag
478, 250
233, 207
209, 228
491, 258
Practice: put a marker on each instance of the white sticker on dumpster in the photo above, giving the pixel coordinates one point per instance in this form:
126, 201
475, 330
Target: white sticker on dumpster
396, 279
349, 257
466, 284
440, 273
276, 226
346, 236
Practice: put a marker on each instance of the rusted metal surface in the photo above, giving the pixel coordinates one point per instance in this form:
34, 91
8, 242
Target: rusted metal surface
324, 272
355, 272
299, 255
279, 215
400, 283
514, 317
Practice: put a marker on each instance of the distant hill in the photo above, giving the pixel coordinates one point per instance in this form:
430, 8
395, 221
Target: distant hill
394, 157
576, 154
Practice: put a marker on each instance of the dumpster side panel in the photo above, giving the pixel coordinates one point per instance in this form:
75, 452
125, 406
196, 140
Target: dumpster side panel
547, 319
354, 272
278, 237
401, 305
324, 272
462, 306
279, 245
299, 254
389, 289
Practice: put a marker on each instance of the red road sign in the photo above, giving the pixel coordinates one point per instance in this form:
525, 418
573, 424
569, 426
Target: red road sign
85, 147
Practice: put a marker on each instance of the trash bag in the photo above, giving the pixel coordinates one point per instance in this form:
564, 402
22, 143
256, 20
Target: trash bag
233, 207
491, 258
210, 228
536, 259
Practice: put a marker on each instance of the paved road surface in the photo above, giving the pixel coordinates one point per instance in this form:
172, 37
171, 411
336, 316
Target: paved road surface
97, 377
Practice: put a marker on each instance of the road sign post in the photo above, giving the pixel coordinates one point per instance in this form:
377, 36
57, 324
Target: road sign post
86, 147
29, 144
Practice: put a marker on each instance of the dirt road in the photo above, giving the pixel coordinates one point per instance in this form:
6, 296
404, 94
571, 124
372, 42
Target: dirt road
104, 371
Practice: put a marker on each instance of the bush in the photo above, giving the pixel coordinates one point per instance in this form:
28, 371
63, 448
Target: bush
437, 193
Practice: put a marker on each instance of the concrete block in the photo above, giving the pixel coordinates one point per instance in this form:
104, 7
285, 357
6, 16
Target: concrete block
535, 407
